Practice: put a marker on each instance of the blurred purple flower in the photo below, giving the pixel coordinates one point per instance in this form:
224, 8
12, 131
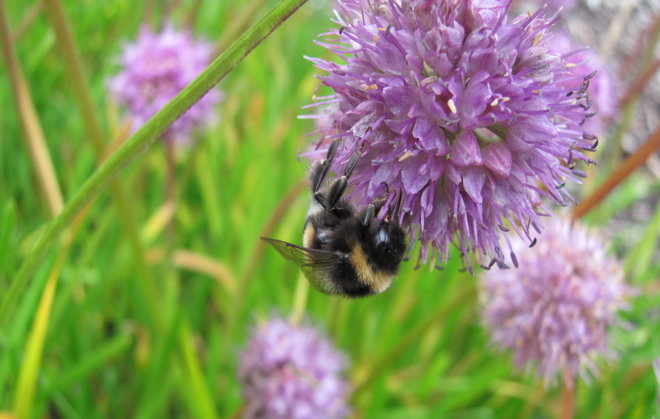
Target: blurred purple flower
553, 4
292, 372
554, 311
566, 4
602, 89
469, 114
157, 67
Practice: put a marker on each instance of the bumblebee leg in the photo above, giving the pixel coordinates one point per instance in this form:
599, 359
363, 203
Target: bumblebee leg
338, 187
351, 164
396, 210
321, 170
368, 214
336, 191
318, 197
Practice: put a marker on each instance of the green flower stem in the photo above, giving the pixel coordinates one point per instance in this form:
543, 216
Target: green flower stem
78, 80
145, 137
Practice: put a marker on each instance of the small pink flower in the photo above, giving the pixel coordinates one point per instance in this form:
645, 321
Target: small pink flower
292, 372
156, 68
555, 310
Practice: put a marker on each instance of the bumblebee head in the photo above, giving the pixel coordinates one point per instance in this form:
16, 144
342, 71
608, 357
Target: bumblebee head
389, 245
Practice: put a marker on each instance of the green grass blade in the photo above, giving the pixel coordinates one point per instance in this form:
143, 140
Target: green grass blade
146, 136
97, 359
195, 390
27, 379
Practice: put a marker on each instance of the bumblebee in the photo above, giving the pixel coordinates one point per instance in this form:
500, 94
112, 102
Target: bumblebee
346, 251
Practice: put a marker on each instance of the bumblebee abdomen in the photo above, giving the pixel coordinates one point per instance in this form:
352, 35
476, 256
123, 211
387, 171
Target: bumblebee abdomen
309, 235
346, 280
376, 279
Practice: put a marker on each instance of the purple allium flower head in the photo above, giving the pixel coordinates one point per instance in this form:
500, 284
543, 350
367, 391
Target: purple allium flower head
156, 68
554, 311
469, 114
292, 372
602, 89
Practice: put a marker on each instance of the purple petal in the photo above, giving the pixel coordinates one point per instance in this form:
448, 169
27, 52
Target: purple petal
497, 158
465, 150
473, 181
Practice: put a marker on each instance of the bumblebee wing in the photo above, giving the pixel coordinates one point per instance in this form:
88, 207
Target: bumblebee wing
304, 256
312, 261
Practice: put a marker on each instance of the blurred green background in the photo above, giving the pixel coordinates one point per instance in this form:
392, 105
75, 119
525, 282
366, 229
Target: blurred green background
417, 351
